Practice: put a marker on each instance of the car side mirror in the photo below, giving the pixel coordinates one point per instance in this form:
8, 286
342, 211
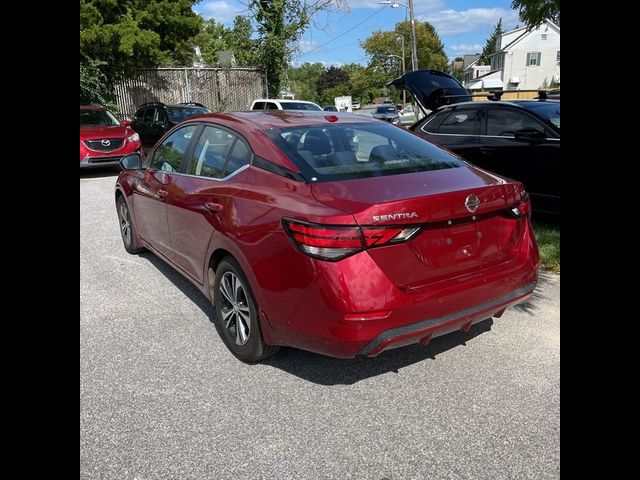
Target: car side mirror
125, 123
529, 134
131, 162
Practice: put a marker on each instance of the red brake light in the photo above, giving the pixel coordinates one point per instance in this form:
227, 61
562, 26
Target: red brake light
335, 242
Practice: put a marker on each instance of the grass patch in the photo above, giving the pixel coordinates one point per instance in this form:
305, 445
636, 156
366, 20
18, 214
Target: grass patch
548, 237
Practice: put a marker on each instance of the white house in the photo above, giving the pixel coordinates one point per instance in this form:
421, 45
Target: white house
474, 71
525, 60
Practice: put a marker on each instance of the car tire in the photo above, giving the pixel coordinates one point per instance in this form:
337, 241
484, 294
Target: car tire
127, 230
236, 313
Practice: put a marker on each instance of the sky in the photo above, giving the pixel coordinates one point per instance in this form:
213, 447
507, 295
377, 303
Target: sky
334, 37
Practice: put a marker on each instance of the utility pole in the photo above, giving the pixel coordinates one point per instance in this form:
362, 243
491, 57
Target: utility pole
414, 48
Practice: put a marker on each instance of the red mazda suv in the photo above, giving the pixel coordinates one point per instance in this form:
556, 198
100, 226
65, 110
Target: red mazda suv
302, 236
103, 139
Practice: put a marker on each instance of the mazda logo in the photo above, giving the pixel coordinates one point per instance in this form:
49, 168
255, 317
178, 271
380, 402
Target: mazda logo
472, 203
106, 142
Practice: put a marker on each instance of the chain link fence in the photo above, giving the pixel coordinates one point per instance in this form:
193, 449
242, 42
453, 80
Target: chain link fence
220, 89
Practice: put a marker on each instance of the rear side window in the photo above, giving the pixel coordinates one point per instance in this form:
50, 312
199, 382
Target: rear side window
270, 106
505, 122
218, 154
169, 154
258, 106
461, 122
342, 152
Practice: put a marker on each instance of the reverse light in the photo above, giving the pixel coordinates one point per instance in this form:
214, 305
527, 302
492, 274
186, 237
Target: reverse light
523, 208
335, 242
134, 138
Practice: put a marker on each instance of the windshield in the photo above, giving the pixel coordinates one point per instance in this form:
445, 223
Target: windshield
178, 114
98, 118
386, 110
299, 106
550, 111
343, 152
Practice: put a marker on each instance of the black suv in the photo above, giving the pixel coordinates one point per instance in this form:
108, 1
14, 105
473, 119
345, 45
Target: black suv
519, 139
153, 120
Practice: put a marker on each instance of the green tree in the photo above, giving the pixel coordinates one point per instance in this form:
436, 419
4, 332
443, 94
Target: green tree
119, 36
212, 39
492, 45
280, 25
331, 78
244, 47
383, 48
302, 80
534, 12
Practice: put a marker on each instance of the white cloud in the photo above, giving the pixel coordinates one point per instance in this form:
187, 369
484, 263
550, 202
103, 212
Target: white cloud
449, 22
305, 45
221, 11
467, 48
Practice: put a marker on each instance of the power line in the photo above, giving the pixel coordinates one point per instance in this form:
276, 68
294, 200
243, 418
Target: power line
343, 33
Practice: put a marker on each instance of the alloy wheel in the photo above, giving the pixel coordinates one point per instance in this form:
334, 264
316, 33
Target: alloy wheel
235, 308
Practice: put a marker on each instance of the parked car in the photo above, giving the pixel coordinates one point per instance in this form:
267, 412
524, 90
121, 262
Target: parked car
283, 104
309, 245
388, 113
153, 120
408, 116
519, 139
355, 105
104, 140
329, 108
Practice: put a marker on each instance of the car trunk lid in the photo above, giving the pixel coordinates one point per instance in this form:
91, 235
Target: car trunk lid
463, 214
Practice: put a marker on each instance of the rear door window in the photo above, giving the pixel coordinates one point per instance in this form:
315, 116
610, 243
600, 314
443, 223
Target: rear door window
460, 122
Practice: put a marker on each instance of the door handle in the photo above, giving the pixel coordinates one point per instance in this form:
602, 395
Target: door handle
213, 207
162, 193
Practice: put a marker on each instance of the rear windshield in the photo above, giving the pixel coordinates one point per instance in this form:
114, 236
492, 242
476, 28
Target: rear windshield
178, 114
343, 152
550, 111
386, 110
299, 106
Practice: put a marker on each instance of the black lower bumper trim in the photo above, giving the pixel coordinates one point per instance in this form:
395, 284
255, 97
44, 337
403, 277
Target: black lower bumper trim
432, 322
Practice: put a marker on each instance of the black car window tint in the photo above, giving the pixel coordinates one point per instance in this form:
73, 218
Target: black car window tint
148, 115
505, 122
461, 122
210, 154
270, 106
258, 106
160, 117
239, 157
169, 154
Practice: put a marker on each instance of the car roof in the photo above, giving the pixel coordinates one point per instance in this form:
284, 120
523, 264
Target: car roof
94, 106
513, 103
283, 100
268, 119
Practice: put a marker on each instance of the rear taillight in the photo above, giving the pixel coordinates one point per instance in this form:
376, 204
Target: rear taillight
523, 208
335, 242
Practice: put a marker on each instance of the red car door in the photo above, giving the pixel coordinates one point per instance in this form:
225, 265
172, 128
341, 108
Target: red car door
199, 205
156, 186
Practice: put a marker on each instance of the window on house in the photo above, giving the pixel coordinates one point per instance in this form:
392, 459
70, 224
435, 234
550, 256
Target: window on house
533, 59
558, 57
543, 36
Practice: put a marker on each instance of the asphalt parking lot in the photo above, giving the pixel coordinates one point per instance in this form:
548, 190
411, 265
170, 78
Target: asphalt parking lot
162, 398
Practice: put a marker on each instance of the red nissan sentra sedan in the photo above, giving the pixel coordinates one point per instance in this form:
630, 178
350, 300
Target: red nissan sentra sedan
332, 233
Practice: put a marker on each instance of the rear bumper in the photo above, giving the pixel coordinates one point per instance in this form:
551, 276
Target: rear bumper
422, 332
351, 307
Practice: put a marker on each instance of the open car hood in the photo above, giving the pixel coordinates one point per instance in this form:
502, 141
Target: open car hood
432, 88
